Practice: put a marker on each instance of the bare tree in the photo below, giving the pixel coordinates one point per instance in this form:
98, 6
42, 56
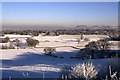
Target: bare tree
100, 46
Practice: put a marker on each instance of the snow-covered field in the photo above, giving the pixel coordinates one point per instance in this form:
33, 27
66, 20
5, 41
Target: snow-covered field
33, 63
66, 40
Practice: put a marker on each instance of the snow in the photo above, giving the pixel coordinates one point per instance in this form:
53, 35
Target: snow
66, 40
33, 63
4, 44
16, 36
35, 68
45, 38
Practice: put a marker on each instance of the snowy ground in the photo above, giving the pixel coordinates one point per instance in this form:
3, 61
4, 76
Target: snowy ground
66, 40
33, 63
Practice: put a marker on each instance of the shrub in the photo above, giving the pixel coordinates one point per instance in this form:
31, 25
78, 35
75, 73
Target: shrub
49, 50
46, 41
11, 46
87, 39
61, 57
4, 47
32, 42
84, 71
83, 53
4, 40
17, 42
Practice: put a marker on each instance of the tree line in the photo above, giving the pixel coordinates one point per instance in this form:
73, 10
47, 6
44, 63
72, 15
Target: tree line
62, 32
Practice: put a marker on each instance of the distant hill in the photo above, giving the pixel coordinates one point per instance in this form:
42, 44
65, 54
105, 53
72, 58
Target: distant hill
55, 27
95, 27
81, 27
32, 27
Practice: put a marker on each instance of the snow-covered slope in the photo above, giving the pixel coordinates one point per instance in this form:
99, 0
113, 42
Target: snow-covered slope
32, 63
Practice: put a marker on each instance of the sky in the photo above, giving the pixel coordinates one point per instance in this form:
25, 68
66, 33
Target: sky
60, 13
60, 0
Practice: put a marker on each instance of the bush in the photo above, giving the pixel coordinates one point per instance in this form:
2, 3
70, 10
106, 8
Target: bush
32, 42
49, 50
84, 71
83, 53
87, 39
17, 42
46, 41
4, 40
8, 47
11, 46
4, 47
